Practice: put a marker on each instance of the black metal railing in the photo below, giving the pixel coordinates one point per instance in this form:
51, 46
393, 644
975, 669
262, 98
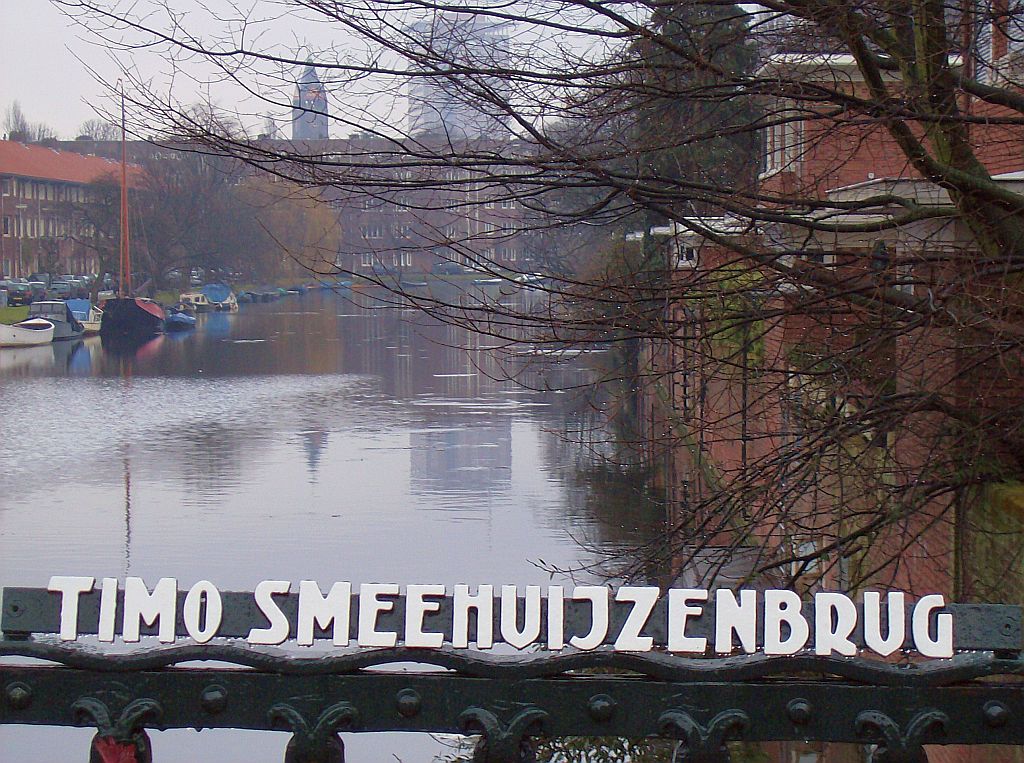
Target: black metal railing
511, 701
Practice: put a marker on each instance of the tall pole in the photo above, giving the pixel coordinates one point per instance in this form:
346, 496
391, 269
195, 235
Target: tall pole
125, 275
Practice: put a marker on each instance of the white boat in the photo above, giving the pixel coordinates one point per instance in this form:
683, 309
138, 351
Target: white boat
26, 333
195, 301
90, 316
94, 321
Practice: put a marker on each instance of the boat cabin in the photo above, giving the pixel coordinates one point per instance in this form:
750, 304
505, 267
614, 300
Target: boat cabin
196, 301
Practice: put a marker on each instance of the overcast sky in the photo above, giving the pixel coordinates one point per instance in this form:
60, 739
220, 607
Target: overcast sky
45, 60
38, 66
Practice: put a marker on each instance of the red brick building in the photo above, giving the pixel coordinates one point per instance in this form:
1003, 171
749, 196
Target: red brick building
724, 402
399, 210
43, 194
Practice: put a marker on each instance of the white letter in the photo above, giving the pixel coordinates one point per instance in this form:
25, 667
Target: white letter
556, 617
644, 598
510, 620
827, 639
415, 608
369, 607
783, 607
678, 612
214, 611
873, 622
313, 606
139, 604
108, 610
483, 603
70, 588
942, 646
741, 617
598, 596
277, 633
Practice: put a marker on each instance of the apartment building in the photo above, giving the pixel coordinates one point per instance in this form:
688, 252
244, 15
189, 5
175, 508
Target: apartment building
733, 400
43, 195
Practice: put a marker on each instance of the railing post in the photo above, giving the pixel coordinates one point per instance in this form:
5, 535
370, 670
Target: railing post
318, 742
884, 755
106, 749
501, 742
703, 744
897, 745
123, 740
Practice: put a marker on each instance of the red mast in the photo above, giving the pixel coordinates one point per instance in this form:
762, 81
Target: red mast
125, 275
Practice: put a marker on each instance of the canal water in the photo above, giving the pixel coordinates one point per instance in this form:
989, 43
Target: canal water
318, 437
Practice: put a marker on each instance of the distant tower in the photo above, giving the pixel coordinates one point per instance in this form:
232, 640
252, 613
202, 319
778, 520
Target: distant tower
309, 108
436, 105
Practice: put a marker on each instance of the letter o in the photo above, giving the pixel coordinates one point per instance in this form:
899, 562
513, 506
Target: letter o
193, 605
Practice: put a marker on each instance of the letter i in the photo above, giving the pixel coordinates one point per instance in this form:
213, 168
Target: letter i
108, 609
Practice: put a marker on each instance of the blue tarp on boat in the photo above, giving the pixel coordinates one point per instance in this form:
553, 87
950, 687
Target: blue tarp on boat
216, 292
79, 308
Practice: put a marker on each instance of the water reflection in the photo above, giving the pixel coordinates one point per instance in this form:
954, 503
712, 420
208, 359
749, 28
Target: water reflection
474, 459
315, 437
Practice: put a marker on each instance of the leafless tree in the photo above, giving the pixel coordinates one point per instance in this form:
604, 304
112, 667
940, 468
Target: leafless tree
17, 127
15, 123
827, 345
99, 129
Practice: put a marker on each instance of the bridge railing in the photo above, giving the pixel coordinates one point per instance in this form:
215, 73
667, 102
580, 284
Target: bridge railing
896, 705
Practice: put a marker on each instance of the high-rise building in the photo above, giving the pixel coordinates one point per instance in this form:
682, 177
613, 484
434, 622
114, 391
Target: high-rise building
309, 108
473, 47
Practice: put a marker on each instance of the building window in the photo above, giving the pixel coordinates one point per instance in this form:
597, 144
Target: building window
508, 203
7, 226
5, 186
372, 231
366, 259
687, 257
405, 259
782, 142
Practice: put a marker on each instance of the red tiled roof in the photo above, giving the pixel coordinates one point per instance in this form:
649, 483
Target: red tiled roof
50, 164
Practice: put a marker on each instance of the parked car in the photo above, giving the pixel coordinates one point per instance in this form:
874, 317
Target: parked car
79, 287
38, 289
447, 269
18, 294
60, 290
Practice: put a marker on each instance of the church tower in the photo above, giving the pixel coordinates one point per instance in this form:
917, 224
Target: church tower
309, 108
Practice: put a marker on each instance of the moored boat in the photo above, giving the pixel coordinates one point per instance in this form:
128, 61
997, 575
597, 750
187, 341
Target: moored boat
132, 317
90, 316
179, 318
126, 315
221, 298
27, 333
65, 325
195, 301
